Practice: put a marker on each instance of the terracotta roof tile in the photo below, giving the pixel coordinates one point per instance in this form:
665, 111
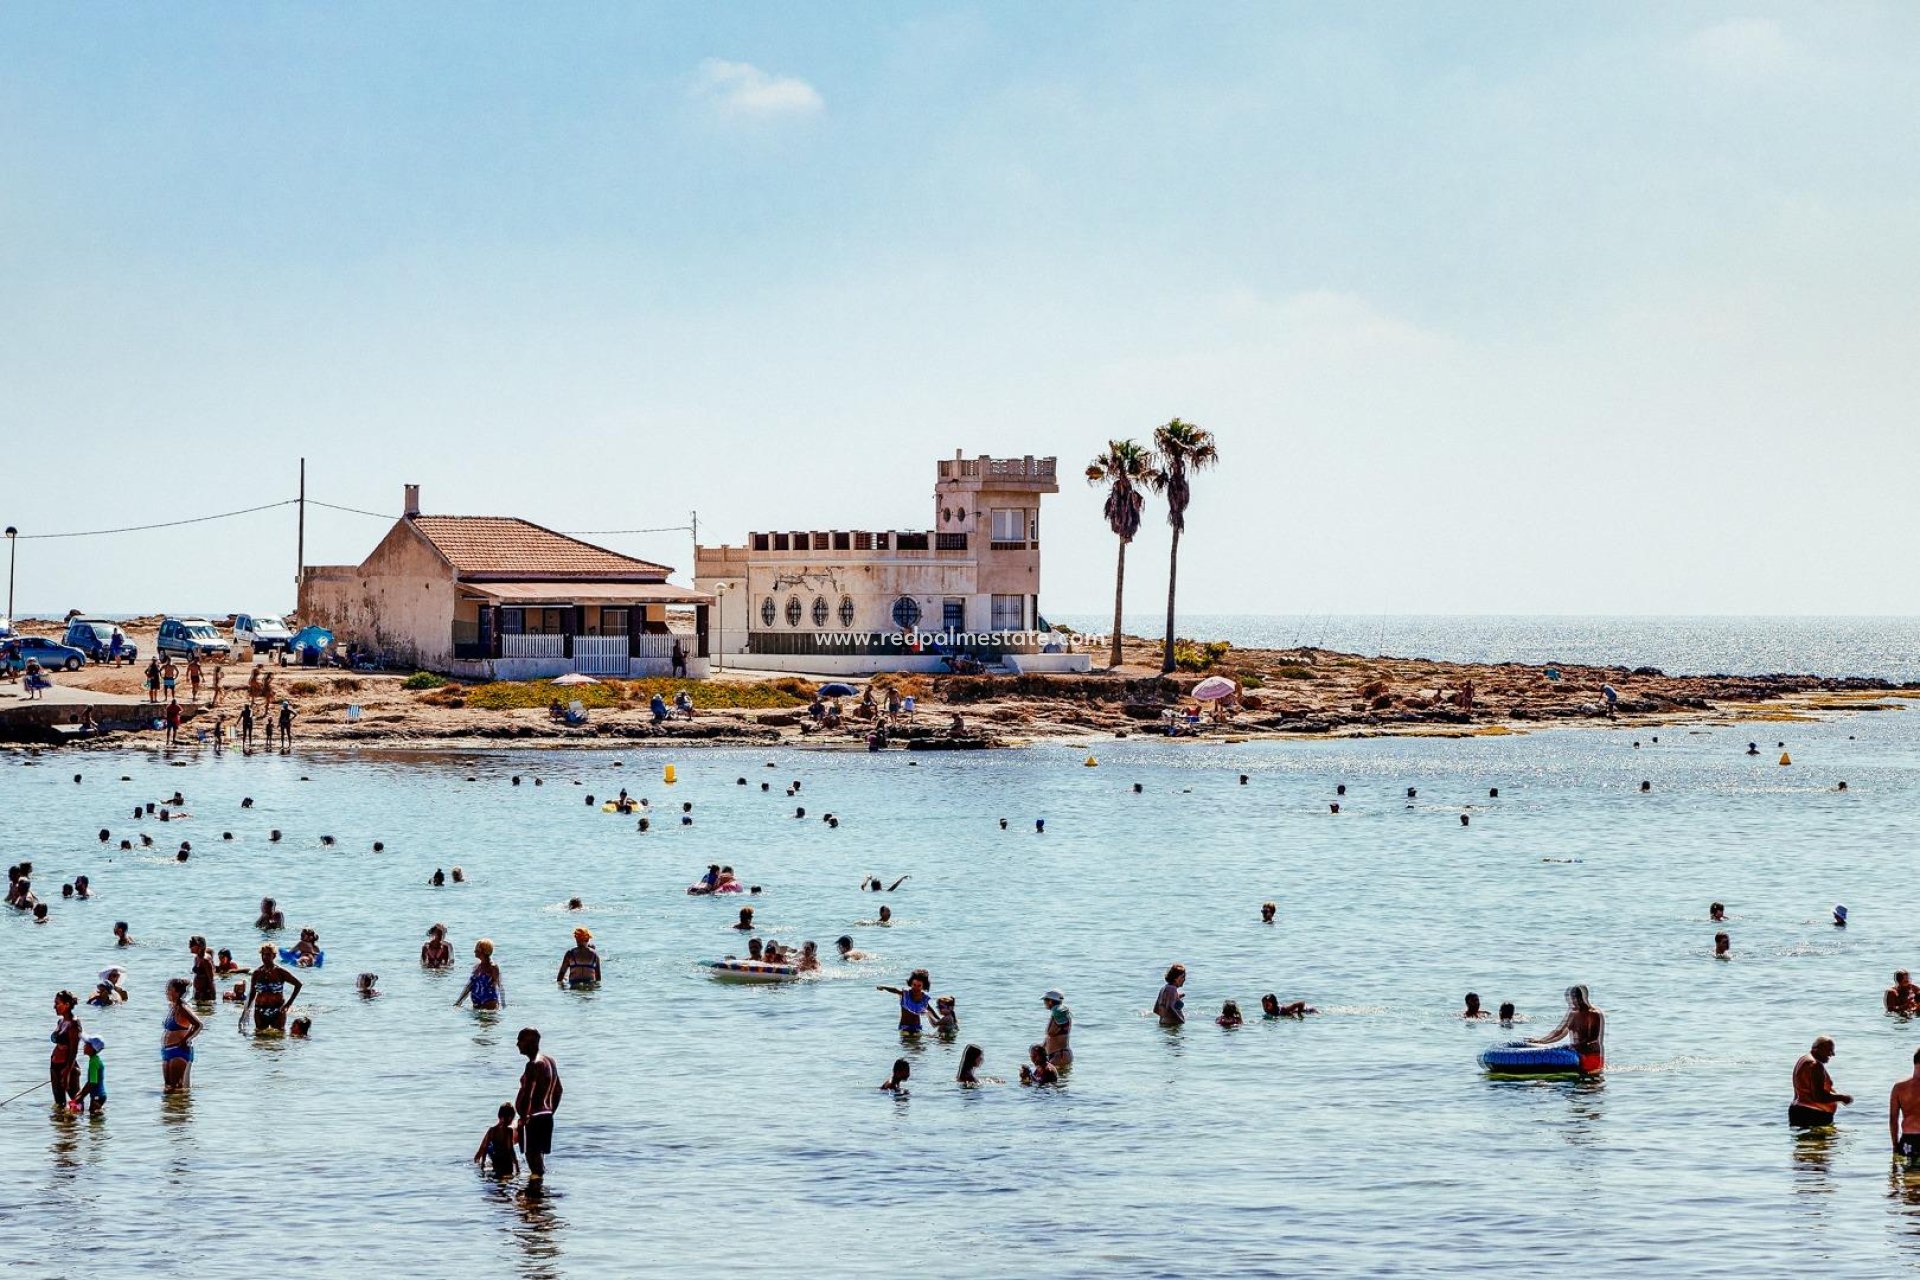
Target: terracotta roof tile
488, 545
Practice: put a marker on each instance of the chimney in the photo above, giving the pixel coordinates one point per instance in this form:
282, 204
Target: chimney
412, 508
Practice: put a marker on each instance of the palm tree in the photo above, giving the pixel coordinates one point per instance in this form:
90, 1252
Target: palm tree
1179, 447
1127, 469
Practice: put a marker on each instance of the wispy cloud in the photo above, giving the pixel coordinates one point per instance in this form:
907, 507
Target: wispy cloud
1743, 46
742, 89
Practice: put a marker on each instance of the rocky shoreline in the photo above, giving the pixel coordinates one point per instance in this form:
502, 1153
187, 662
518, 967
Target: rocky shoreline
1285, 693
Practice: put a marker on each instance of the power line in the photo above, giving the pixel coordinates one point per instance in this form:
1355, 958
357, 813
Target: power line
164, 524
607, 533
334, 506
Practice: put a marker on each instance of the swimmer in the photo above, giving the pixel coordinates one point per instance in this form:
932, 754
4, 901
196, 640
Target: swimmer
459, 876
745, 923
437, 879
914, 1002
267, 994
1037, 1072
1058, 1039
102, 996
436, 952
82, 888
844, 945
1266, 912
1229, 1015
1271, 1007
177, 1031
756, 950
486, 985
1473, 1010
897, 1082
574, 904
883, 921
874, 882
1170, 1006
203, 984
970, 1059
1717, 913
367, 984
1839, 917
1902, 996
946, 1019
121, 938
306, 952
1722, 947
809, 959
224, 966
496, 1144
1507, 1015
1814, 1098
236, 995
301, 1029
1584, 1030
1903, 1114
580, 966
271, 916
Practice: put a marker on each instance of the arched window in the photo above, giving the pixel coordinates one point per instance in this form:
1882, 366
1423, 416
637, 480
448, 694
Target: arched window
767, 612
906, 613
819, 611
846, 611
793, 611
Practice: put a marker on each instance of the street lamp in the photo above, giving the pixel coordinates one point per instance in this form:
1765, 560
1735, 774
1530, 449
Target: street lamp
12, 534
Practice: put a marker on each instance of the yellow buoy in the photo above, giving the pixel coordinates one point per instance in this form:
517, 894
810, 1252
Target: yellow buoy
666, 774
1091, 762
1785, 758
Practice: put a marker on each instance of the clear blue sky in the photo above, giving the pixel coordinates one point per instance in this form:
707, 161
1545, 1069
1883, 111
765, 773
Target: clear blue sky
1493, 308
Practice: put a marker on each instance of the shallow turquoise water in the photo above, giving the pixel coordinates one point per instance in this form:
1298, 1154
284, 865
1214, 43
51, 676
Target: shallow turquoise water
718, 1130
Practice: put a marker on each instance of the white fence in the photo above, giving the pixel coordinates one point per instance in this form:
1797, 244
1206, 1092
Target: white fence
545, 646
600, 655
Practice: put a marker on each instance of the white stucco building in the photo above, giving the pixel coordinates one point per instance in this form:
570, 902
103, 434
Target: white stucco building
855, 600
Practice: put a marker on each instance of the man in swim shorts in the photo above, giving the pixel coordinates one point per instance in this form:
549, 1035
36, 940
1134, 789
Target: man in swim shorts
536, 1102
1903, 1115
1583, 1030
1814, 1100
1902, 996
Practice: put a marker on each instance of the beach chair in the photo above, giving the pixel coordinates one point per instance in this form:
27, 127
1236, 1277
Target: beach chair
576, 713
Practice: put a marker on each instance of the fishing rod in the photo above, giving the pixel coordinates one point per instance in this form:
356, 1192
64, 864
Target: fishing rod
24, 1092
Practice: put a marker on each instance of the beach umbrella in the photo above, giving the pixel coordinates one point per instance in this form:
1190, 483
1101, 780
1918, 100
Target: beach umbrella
837, 689
1213, 688
312, 638
574, 677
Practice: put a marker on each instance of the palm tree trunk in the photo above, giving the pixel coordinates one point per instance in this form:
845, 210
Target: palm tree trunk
1119, 591
1173, 572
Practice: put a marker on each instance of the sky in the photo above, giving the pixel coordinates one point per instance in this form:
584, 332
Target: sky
1492, 308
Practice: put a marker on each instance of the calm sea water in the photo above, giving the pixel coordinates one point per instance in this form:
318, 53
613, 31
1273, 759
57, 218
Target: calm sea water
715, 1130
1719, 645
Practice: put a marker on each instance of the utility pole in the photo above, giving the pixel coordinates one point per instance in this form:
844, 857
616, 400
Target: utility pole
300, 571
12, 534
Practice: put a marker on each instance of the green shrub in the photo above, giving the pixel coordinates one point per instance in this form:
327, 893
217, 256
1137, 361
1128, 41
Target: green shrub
423, 680
1188, 656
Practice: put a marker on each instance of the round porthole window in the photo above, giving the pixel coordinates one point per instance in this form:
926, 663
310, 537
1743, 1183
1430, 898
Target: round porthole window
906, 613
819, 611
846, 611
767, 612
793, 611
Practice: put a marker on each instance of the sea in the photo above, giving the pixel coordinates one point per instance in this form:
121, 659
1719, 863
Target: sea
1887, 648
709, 1129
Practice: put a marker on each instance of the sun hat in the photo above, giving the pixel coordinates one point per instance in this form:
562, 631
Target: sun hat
1054, 996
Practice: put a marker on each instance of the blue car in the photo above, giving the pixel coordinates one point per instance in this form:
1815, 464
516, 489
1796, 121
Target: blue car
50, 655
94, 637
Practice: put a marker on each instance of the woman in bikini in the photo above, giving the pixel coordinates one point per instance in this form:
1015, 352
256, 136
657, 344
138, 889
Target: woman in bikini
176, 1038
267, 992
580, 967
485, 985
436, 952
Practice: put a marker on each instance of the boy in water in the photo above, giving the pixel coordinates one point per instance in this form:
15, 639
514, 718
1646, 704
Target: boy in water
496, 1145
95, 1091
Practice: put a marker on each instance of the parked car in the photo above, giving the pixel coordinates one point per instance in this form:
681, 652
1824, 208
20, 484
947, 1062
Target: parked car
51, 654
94, 637
186, 637
263, 632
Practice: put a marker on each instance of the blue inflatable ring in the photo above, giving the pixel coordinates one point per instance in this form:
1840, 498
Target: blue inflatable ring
1521, 1059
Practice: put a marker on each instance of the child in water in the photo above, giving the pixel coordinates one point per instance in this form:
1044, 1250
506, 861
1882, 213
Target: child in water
496, 1145
95, 1091
1038, 1070
897, 1082
1229, 1015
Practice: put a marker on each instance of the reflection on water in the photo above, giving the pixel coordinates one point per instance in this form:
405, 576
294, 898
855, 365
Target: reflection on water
535, 1228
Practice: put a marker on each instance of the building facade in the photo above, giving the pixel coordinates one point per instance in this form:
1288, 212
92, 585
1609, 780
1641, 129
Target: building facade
855, 600
495, 597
